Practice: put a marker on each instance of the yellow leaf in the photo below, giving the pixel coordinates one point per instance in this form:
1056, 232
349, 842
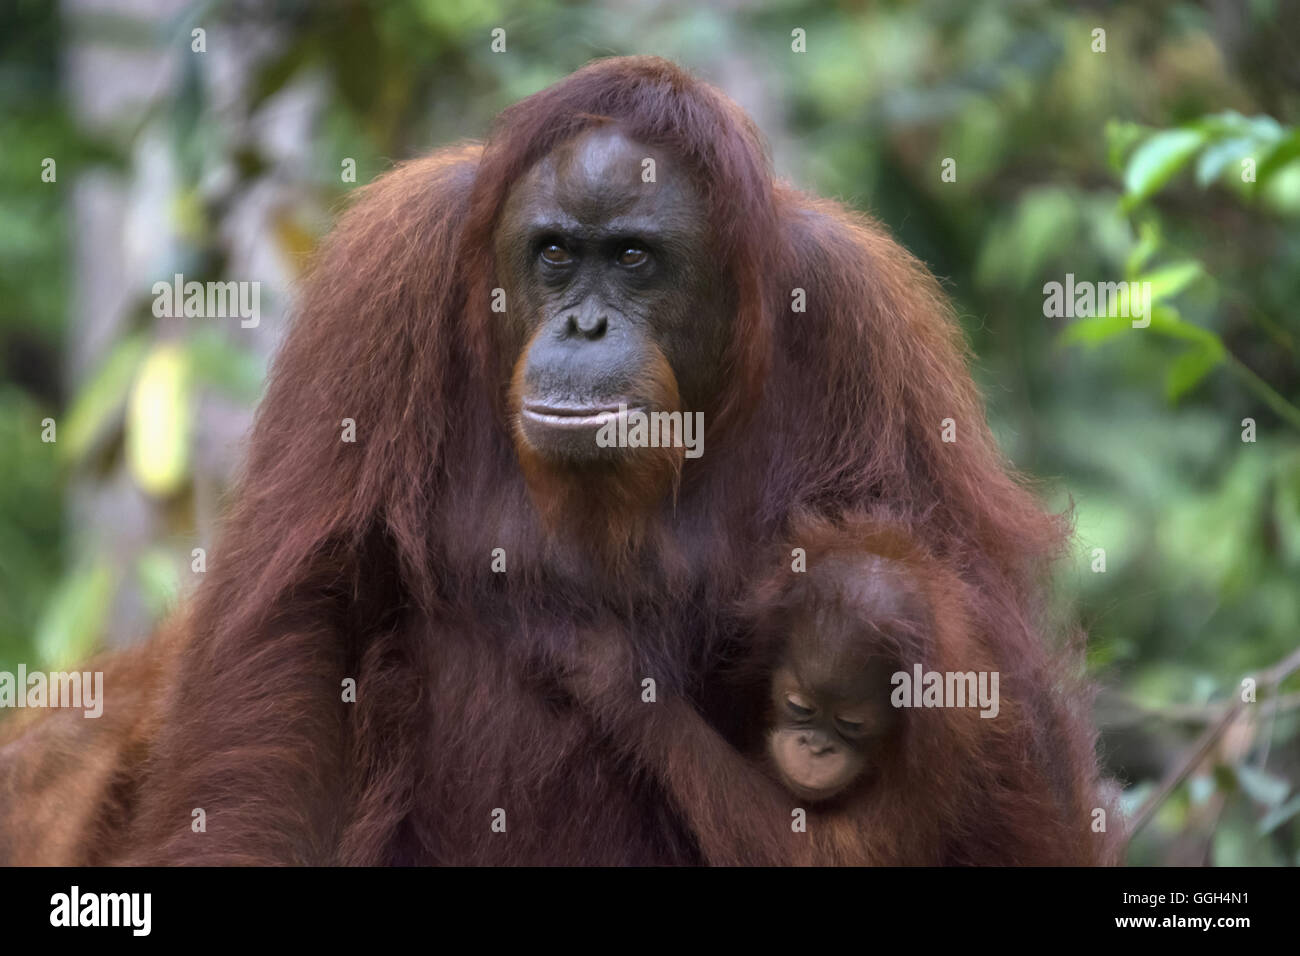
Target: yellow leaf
159, 422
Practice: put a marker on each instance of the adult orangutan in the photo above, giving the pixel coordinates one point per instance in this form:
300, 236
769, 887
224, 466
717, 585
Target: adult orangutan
488, 320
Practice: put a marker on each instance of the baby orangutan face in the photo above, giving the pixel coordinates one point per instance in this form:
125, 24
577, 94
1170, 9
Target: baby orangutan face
831, 715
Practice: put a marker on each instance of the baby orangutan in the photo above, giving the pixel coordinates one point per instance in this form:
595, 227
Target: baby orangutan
829, 771
830, 722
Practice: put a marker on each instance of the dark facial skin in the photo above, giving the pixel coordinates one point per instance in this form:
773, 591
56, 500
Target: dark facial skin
612, 292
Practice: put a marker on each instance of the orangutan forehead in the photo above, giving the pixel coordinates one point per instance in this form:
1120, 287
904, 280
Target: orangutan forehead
603, 175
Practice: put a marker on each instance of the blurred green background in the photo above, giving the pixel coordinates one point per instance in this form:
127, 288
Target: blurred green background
1165, 149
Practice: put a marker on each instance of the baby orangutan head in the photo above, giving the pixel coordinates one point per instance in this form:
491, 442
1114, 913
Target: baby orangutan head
831, 720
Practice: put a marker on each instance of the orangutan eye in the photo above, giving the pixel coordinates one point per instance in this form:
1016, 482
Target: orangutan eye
556, 254
799, 706
633, 256
848, 726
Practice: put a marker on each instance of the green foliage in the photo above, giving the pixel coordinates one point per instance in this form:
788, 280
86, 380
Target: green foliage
1156, 161
72, 623
95, 411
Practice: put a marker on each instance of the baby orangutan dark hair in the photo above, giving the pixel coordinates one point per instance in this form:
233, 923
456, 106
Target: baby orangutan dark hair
834, 639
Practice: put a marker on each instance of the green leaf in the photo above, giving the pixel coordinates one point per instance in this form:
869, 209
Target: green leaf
1188, 369
1282, 154
1167, 321
99, 402
75, 615
1156, 161
1262, 787
1230, 123
1212, 162
1096, 330
1147, 245
1168, 281
1266, 129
